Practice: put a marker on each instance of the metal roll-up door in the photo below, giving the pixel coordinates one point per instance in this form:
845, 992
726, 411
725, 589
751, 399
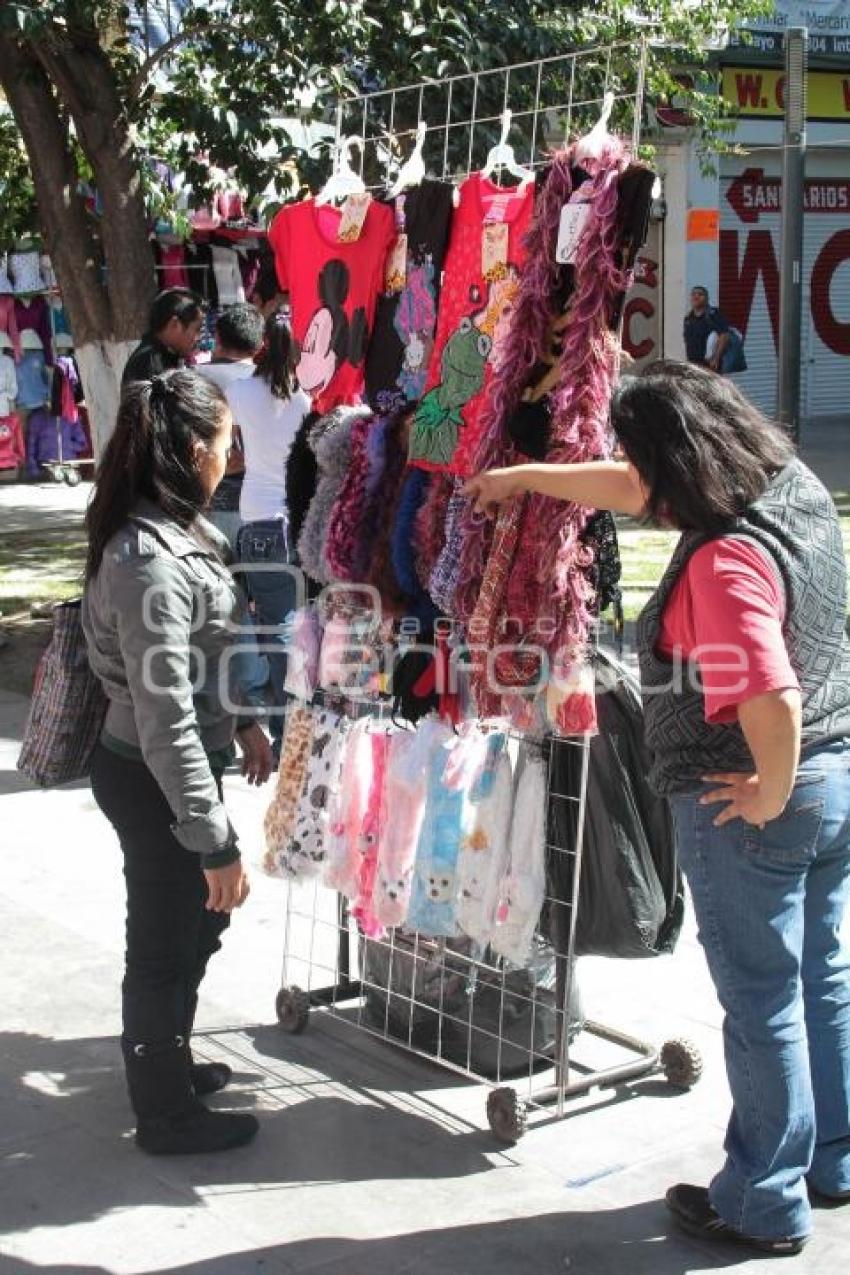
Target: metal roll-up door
826, 316
749, 257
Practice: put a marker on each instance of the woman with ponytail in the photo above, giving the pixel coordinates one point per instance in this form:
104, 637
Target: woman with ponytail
267, 410
159, 612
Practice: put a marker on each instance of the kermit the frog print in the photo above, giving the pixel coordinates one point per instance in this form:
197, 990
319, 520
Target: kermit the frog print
436, 426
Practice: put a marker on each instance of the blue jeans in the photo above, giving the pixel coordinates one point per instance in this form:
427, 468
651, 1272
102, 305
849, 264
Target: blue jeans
261, 548
770, 906
249, 669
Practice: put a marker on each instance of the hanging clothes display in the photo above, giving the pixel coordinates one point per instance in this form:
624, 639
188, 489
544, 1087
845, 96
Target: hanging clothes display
485, 256
279, 821
11, 442
8, 385
484, 854
363, 906
170, 261
228, 276
524, 886
66, 389
32, 313
25, 270
531, 570
33, 380
52, 438
330, 439
333, 288
8, 320
303, 855
59, 318
406, 316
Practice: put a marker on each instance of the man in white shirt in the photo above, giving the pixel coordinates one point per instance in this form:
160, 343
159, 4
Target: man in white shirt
238, 337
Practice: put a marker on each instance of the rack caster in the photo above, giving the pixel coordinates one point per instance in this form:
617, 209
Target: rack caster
507, 1115
292, 1007
681, 1063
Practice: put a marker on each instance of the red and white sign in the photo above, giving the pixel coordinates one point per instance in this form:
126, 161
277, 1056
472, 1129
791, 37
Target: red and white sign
641, 318
752, 194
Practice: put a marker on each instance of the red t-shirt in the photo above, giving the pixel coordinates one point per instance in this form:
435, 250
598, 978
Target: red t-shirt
726, 612
333, 289
474, 312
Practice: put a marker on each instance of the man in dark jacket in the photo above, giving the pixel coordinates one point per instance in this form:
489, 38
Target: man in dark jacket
701, 322
176, 319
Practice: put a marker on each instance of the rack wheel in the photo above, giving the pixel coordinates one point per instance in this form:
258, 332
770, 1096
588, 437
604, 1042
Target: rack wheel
72, 476
506, 1114
681, 1063
293, 1009
56, 473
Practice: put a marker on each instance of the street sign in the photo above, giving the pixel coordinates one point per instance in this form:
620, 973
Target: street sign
753, 194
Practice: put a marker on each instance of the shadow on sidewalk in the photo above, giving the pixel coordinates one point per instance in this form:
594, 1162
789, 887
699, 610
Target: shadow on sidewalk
605, 1241
67, 1155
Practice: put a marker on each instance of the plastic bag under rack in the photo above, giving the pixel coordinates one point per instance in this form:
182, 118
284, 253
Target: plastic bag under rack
436, 997
631, 897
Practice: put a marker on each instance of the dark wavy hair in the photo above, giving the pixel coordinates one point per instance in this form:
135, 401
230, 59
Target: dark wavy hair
703, 450
276, 359
151, 454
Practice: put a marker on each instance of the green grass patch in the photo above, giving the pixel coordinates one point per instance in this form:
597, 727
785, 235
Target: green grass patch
40, 567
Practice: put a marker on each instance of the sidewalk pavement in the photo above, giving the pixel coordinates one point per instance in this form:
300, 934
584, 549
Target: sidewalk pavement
369, 1161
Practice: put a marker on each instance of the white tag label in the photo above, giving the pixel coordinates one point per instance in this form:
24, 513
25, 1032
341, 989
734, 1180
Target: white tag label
574, 219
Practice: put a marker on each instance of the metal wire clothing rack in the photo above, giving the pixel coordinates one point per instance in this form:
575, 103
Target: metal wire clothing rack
549, 99
446, 1000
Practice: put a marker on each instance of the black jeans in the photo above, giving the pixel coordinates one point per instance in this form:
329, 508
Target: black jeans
170, 935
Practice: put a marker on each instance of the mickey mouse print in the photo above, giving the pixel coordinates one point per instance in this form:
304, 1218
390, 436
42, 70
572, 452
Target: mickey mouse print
333, 289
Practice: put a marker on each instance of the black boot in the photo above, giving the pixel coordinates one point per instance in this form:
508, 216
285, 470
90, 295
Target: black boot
169, 1118
206, 1078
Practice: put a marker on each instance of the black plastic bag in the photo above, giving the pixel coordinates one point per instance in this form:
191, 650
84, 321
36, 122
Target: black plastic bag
631, 897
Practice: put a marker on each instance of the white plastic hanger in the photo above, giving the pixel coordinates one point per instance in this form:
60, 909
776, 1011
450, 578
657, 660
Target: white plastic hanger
591, 146
343, 181
502, 156
412, 171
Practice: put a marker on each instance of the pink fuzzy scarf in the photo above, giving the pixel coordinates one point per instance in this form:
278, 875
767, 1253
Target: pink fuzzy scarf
546, 593
348, 511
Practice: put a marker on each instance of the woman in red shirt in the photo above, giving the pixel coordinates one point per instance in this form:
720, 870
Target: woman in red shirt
745, 670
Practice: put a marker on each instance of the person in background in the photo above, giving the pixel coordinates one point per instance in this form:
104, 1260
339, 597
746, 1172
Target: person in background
174, 326
267, 296
267, 410
706, 332
158, 607
238, 337
745, 670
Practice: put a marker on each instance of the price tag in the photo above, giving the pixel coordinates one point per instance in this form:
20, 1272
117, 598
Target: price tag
494, 248
354, 212
574, 219
498, 208
395, 276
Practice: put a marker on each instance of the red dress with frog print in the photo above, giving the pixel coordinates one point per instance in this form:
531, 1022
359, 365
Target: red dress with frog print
475, 309
333, 289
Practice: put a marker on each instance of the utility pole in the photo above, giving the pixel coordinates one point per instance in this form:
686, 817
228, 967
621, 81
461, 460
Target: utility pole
791, 269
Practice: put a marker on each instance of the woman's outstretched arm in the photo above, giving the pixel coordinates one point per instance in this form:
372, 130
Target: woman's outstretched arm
601, 484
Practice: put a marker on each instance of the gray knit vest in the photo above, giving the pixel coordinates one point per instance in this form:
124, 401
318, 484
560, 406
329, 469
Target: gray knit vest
796, 523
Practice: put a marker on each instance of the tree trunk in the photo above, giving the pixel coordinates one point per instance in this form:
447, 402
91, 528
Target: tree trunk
45, 82
101, 364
